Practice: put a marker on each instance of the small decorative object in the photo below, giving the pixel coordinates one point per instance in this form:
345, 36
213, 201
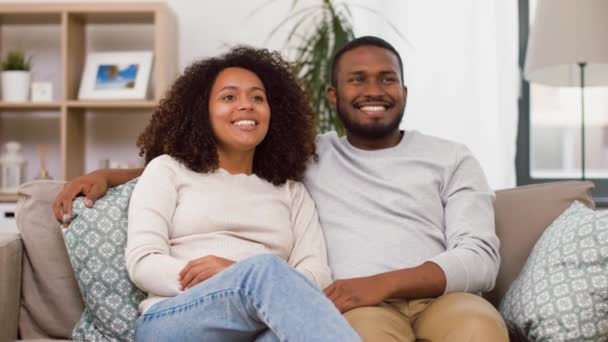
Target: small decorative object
104, 163
116, 75
12, 165
44, 173
42, 92
15, 77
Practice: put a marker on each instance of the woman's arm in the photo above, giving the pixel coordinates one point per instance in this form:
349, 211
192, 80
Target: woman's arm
149, 262
309, 254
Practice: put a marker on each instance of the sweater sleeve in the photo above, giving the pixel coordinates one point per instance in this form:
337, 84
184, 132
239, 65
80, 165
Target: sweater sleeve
471, 259
309, 253
149, 262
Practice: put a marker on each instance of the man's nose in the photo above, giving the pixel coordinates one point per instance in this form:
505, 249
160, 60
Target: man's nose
372, 88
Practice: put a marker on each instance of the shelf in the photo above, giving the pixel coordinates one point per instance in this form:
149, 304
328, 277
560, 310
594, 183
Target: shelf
113, 104
8, 197
84, 27
30, 106
19, 18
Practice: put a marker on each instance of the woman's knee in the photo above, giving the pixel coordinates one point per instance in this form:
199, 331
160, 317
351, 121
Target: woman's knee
264, 260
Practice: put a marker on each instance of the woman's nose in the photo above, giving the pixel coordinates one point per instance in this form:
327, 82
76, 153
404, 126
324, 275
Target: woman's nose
245, 104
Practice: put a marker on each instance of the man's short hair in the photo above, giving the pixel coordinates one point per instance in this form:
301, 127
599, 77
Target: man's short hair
358, 42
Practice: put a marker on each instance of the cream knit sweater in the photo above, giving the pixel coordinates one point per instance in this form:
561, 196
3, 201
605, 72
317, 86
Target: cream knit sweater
176, 215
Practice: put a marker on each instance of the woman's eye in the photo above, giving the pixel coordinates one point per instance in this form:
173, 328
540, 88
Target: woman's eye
258, 99
228, 98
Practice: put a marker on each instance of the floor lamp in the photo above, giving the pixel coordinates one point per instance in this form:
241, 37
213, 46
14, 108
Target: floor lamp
568, 46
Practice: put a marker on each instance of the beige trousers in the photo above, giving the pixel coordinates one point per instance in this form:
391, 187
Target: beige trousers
454, 317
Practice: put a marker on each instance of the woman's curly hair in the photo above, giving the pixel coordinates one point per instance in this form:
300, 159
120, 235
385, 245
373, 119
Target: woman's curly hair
180, 125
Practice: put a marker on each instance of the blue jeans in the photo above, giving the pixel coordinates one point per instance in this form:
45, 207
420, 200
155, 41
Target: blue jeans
261, 298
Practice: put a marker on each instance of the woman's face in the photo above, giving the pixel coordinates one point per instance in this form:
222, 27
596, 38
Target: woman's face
238, 110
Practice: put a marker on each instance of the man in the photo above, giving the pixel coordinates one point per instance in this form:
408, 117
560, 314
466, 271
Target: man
408, 218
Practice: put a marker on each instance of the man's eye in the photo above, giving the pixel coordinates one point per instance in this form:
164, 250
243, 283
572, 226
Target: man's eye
389, 80
356, 79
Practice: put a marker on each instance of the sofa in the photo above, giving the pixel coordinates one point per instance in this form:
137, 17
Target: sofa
40, 299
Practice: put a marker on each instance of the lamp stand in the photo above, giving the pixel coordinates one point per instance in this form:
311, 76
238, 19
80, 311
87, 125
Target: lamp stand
582, 73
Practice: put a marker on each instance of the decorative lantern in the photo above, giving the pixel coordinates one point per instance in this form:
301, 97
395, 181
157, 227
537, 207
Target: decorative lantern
12, 166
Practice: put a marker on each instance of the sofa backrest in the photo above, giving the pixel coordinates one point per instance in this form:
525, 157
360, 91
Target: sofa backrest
50, 300
522, 215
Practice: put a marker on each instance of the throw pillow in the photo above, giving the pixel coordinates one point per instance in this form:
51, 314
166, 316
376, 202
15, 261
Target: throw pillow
536, 205
96, 240
561, 293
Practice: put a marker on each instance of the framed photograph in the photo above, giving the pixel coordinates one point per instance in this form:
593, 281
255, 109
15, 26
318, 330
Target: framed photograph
116, 75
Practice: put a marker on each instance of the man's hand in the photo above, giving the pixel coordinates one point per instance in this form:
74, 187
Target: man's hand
201, 269
347, 294
92, 186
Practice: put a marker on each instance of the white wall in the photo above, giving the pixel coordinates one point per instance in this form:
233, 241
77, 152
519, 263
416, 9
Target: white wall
460, 66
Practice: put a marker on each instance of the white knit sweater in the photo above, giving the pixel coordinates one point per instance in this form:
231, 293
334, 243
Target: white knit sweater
176, 215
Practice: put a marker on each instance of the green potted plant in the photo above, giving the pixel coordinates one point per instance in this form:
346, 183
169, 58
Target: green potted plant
15, 77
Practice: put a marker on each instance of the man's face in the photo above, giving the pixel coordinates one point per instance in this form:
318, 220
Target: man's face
369, 95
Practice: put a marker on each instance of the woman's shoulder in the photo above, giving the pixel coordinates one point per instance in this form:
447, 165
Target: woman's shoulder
165, 160
296, 190
164, 163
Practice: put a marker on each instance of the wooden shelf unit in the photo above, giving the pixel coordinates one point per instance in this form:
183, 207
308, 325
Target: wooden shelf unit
8, 197
73, 19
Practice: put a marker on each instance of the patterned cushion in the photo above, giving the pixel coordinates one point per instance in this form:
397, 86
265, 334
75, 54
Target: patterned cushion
562, 292
96, 241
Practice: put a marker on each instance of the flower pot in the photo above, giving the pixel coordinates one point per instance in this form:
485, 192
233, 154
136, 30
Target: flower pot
15, 86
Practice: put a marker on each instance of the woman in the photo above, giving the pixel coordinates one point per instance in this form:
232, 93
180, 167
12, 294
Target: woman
222, 235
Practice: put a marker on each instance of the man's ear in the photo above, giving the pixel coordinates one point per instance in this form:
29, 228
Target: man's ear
331, 96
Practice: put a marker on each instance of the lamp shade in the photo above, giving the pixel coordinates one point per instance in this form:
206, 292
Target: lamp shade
565, 33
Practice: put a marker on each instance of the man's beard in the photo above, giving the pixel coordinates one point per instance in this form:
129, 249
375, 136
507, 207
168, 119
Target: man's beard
370, 131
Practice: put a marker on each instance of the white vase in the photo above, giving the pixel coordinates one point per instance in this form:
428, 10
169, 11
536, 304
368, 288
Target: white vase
12, 167
15, 86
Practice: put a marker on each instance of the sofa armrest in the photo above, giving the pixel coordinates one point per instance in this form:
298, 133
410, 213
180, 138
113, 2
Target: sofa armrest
10, 284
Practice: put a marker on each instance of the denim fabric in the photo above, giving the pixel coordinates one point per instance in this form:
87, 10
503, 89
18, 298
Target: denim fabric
261, 297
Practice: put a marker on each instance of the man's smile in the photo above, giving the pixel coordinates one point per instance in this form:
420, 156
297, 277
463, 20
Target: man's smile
373, 108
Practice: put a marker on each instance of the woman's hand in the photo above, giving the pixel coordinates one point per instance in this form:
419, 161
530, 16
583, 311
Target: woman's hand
201, 269
92, 185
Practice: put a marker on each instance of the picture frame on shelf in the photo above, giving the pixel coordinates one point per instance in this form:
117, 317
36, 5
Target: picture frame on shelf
116, 75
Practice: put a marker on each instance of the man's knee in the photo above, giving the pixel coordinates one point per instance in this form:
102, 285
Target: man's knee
484, 325
376, 323
461, 316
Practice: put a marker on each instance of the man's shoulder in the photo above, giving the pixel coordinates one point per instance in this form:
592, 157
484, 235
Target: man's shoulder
436, 145
327, 141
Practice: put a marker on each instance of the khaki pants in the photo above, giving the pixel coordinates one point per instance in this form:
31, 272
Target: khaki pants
452, 317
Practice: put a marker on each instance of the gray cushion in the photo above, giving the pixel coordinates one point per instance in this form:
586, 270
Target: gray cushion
522, 214
562, 292
50, 302
96, 241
